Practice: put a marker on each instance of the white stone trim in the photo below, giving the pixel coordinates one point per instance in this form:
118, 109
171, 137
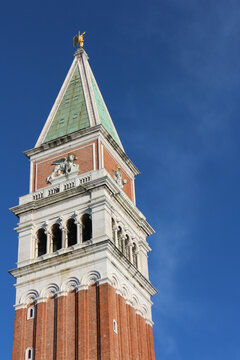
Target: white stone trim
91, 278
50, 290
94, 156
27, 357
91, 73
85, 94
29, 297
71, 284
106, 146
31, 177
115, 327
40, 300
29, 310
99, 154
102, 156
87, 70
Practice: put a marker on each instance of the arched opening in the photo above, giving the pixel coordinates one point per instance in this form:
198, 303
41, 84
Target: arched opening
86, 227
29, 354
56, 237
41, 242
134, 254
115, 329
71, 232
30, 312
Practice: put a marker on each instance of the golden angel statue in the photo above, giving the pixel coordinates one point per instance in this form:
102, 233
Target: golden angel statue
78, 39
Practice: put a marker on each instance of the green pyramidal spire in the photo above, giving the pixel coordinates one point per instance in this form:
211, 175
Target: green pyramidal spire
72, 113
79, 104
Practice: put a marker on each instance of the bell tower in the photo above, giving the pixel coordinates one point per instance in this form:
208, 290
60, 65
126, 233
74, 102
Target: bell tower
82, 284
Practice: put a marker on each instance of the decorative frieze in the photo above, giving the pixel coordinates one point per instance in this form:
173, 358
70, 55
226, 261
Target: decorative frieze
74, 284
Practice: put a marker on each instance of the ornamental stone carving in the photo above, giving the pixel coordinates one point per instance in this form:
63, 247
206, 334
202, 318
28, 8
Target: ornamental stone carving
50, 291
63, 166
117, 176
71, 284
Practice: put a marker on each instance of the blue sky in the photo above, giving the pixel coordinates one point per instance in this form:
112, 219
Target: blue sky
169, 72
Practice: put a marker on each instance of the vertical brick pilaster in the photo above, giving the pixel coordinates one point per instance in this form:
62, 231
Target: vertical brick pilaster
104, 322
139, 337
50, 321
79, 326
61, 327
18, 337
40, 337
151, 355
133, 333
108, 312
82, 325
123, 329
142, 338
70, 326
114, 315
93, 309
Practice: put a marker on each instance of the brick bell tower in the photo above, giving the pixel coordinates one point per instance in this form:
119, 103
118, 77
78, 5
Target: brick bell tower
82, 286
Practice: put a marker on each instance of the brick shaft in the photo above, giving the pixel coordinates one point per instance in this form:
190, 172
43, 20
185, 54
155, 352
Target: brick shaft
79, 326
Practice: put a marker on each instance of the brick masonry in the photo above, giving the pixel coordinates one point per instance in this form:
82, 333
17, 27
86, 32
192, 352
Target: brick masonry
42, 169
79, 326
86, 161
110, 164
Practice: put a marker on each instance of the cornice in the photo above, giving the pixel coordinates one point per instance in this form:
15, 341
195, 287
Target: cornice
93, 185
105, 245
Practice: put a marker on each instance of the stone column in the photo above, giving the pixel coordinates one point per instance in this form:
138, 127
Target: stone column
49, 241
123, 245
131, 251
78, 222
115, 233
48, 232
35, 239
64, 235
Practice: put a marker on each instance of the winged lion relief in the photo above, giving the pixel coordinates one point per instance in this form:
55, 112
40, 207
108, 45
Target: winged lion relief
63, 166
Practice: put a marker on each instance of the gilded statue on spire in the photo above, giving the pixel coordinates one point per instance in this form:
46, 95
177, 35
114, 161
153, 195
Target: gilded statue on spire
78, 39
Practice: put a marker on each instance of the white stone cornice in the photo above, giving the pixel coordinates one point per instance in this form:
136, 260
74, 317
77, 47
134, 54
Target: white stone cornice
82, 287
79, 134
103, 180
61, 293
128, 302
41, 300
149, 322
20, 306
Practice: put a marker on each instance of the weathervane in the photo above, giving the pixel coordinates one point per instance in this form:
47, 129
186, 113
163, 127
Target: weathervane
78, 39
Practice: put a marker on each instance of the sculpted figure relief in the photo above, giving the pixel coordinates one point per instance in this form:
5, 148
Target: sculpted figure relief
117, 176
63, 166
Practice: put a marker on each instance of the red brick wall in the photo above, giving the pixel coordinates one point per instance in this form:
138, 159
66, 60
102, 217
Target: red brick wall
44, 168
79, 326
110, 164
